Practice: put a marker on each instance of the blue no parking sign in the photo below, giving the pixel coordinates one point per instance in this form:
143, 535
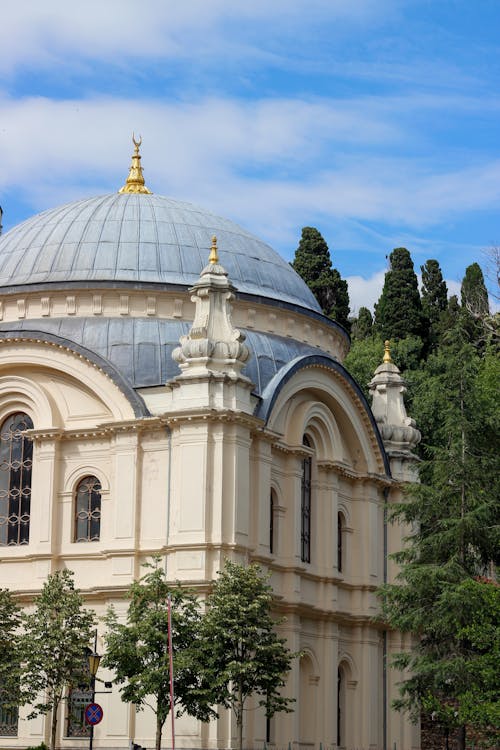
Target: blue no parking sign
93, 713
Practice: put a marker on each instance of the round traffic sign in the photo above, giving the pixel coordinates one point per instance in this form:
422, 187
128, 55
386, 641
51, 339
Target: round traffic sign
93, 713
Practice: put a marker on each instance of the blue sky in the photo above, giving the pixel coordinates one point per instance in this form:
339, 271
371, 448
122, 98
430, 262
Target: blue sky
377, 121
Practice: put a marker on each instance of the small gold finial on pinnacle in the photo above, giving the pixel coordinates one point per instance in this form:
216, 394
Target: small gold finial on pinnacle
387, 351
135, 180
214, 255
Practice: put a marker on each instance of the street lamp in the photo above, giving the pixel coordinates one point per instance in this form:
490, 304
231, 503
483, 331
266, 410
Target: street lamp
93, 662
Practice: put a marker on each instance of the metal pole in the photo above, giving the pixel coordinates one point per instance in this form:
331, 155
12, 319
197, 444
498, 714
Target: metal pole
171, 669
92, 688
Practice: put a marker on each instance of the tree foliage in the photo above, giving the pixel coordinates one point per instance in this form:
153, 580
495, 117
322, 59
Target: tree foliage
455, 538
243, 655
434, 298
137, 650
362, 326
10, 651
398, 313
313, 263
57, 634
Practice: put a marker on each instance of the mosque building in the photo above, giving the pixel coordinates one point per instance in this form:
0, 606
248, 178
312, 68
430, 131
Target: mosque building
169, 385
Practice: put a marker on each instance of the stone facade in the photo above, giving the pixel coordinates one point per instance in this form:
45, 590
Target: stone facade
293, 474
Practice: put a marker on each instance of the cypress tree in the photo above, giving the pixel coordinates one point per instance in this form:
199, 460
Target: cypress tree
313, 263
434, 298
398, 312
473, 291
362, 326
434, 290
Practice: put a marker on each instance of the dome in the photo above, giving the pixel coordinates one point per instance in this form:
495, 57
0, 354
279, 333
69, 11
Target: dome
142, 238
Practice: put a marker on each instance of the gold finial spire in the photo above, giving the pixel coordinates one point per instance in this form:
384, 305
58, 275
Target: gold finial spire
214, 255
135, 180
387, 351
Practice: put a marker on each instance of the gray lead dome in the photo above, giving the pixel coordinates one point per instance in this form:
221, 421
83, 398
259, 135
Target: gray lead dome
142, 238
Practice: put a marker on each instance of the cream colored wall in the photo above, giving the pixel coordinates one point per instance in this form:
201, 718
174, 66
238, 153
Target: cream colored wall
196, 488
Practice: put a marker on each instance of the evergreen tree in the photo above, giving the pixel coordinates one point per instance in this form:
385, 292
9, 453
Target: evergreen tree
453, 517
398, 312
473, 291
362, 326
57, 634
137, 651
243, 655
313, 263
434, 298
480, 325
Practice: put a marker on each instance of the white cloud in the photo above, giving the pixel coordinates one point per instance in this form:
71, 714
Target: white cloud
364, 292
263, 163
54, 31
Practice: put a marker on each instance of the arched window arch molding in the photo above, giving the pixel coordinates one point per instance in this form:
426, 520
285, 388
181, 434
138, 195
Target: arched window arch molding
79, 368
348, 665
308, 652
22, 394
84, 470
343, 508
352, 419
315, 419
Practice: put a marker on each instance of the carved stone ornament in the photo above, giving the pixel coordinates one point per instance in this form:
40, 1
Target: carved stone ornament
397, 429
213, 345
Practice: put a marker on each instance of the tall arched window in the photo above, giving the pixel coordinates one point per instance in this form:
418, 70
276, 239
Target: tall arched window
272, 509
16, 461
88, 510
340, 542
305, 507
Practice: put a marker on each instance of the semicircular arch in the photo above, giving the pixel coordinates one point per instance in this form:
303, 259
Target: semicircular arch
318, 388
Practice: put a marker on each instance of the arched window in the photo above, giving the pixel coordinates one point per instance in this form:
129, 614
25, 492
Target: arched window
16, 461
340, 542
88, 510
272, 508
305, 506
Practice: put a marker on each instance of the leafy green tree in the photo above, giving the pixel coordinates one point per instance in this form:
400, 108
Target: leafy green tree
57, 634
453, 515
313, 263
10, 651
137, 650
242, 654
362, 360
398, 313
362, 326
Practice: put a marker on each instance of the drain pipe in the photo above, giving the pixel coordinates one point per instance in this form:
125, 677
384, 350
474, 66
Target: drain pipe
169, 484
384, 633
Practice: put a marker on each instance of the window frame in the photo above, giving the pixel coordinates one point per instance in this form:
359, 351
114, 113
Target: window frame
16, 475
86, 512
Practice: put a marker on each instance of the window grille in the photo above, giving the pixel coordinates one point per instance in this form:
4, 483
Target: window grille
8, 721
16, 461
88, 510
78, 700
305, 509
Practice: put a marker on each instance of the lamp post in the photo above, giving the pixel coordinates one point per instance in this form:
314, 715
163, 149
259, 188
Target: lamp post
93, 662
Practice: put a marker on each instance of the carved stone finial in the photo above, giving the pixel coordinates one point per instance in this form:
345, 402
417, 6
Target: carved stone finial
135, 180
213, 345
398, 431
387, 351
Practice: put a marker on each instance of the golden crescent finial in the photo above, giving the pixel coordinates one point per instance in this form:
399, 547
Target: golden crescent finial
135, 180
214, 255
387, 351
